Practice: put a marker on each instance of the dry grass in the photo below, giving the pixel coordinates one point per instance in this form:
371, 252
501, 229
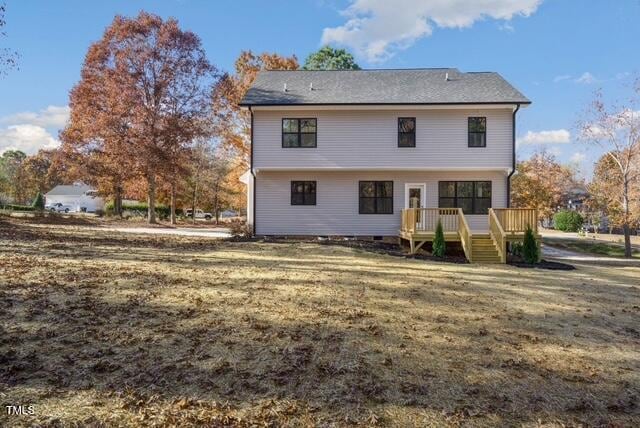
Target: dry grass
108, 329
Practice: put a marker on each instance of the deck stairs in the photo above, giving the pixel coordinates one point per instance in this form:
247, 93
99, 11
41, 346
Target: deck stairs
484, 249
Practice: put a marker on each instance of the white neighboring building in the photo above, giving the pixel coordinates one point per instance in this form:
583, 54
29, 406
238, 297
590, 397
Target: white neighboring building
79, 197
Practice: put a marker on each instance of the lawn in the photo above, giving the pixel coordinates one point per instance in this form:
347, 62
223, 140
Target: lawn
590, 246
102, 328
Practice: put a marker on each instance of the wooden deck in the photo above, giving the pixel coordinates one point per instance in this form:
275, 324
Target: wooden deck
504, 225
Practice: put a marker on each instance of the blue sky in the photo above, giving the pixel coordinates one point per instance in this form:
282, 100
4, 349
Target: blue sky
557, 52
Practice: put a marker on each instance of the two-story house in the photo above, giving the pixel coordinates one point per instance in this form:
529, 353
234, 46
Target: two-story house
346, 152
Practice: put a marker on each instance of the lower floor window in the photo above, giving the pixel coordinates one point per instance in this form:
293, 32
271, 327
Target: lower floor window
474, 197
376, 197
303, 193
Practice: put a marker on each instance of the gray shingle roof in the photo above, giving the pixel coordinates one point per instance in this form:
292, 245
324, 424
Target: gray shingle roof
411, 86
69, 190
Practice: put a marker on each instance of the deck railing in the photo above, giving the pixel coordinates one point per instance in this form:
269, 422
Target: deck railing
466, 237
426, 219
516, 220
498, 234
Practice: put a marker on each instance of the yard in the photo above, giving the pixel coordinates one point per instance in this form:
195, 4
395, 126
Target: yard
590, 246
100, 328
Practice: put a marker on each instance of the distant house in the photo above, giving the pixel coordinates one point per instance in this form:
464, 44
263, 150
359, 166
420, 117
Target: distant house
78, 196
576, 198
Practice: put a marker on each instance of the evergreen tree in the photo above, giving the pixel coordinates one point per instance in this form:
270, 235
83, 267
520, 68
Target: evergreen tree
439, 246
530, 247
38, 202
328, 58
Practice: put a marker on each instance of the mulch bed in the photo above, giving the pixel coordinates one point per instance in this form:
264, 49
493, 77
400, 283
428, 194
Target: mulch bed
543, 264
455, 253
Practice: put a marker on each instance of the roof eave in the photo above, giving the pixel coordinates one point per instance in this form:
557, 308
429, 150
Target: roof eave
466, 103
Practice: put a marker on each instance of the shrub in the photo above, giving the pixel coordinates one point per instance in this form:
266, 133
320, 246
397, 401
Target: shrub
516, 249
38, 202
439, 247
140, 208
241, 229
530, 247
568, 221
15, 207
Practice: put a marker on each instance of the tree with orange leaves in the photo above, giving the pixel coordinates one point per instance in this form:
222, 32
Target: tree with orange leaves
153, 81
616, 130
542, 183
232, 124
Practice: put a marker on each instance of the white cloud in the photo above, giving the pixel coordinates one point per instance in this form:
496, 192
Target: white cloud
376, 29
578, 157
557, 136
561, 78
27, 138
586, 78
52, 116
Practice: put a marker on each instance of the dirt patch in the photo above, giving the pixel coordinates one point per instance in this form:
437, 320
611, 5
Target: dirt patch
102, 329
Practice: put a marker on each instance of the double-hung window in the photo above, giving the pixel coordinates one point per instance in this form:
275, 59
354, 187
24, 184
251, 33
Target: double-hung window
299, 132
477, 127
406, 132
376, 197
474, 197
303, 193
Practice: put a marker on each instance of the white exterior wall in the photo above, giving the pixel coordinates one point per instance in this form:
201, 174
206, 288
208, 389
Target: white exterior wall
75, 203
337, 205
368, 139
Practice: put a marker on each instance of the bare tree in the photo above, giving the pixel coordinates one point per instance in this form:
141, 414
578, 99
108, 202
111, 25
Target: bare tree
616, 129
8, 57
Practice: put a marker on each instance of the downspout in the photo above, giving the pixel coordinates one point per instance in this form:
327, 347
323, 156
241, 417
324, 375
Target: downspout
513, 155
253, 174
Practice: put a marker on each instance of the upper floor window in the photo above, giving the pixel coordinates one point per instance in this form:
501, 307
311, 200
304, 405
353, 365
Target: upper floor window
303, 193
474, 197
477, 132
376, 197
299, 132
406, 132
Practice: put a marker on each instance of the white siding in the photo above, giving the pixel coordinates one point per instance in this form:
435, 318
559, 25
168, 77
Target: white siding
368, 139
336, 211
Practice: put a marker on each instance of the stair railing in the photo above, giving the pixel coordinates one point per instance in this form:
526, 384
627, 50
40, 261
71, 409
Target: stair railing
498, 235
466, 237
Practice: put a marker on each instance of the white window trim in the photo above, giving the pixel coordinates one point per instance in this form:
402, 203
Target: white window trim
407, 186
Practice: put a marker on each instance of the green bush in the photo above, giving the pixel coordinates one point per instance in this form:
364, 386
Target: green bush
568, 221
530, 247
38, 202
162, 211
439, 246
15, 207
516, 249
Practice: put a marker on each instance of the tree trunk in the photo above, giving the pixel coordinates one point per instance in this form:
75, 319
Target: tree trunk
151, 199
193, 203
625, 227
215, 204
173, 202
117, 200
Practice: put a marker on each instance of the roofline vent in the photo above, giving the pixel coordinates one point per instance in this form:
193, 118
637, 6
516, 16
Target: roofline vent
446, 76
285, 87
311, 86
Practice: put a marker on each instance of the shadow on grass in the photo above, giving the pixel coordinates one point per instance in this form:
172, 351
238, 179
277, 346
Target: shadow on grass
298, 333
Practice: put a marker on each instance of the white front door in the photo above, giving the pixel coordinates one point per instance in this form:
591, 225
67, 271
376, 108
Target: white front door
414, 195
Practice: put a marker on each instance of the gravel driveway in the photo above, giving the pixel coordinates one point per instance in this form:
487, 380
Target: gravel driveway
183, 231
